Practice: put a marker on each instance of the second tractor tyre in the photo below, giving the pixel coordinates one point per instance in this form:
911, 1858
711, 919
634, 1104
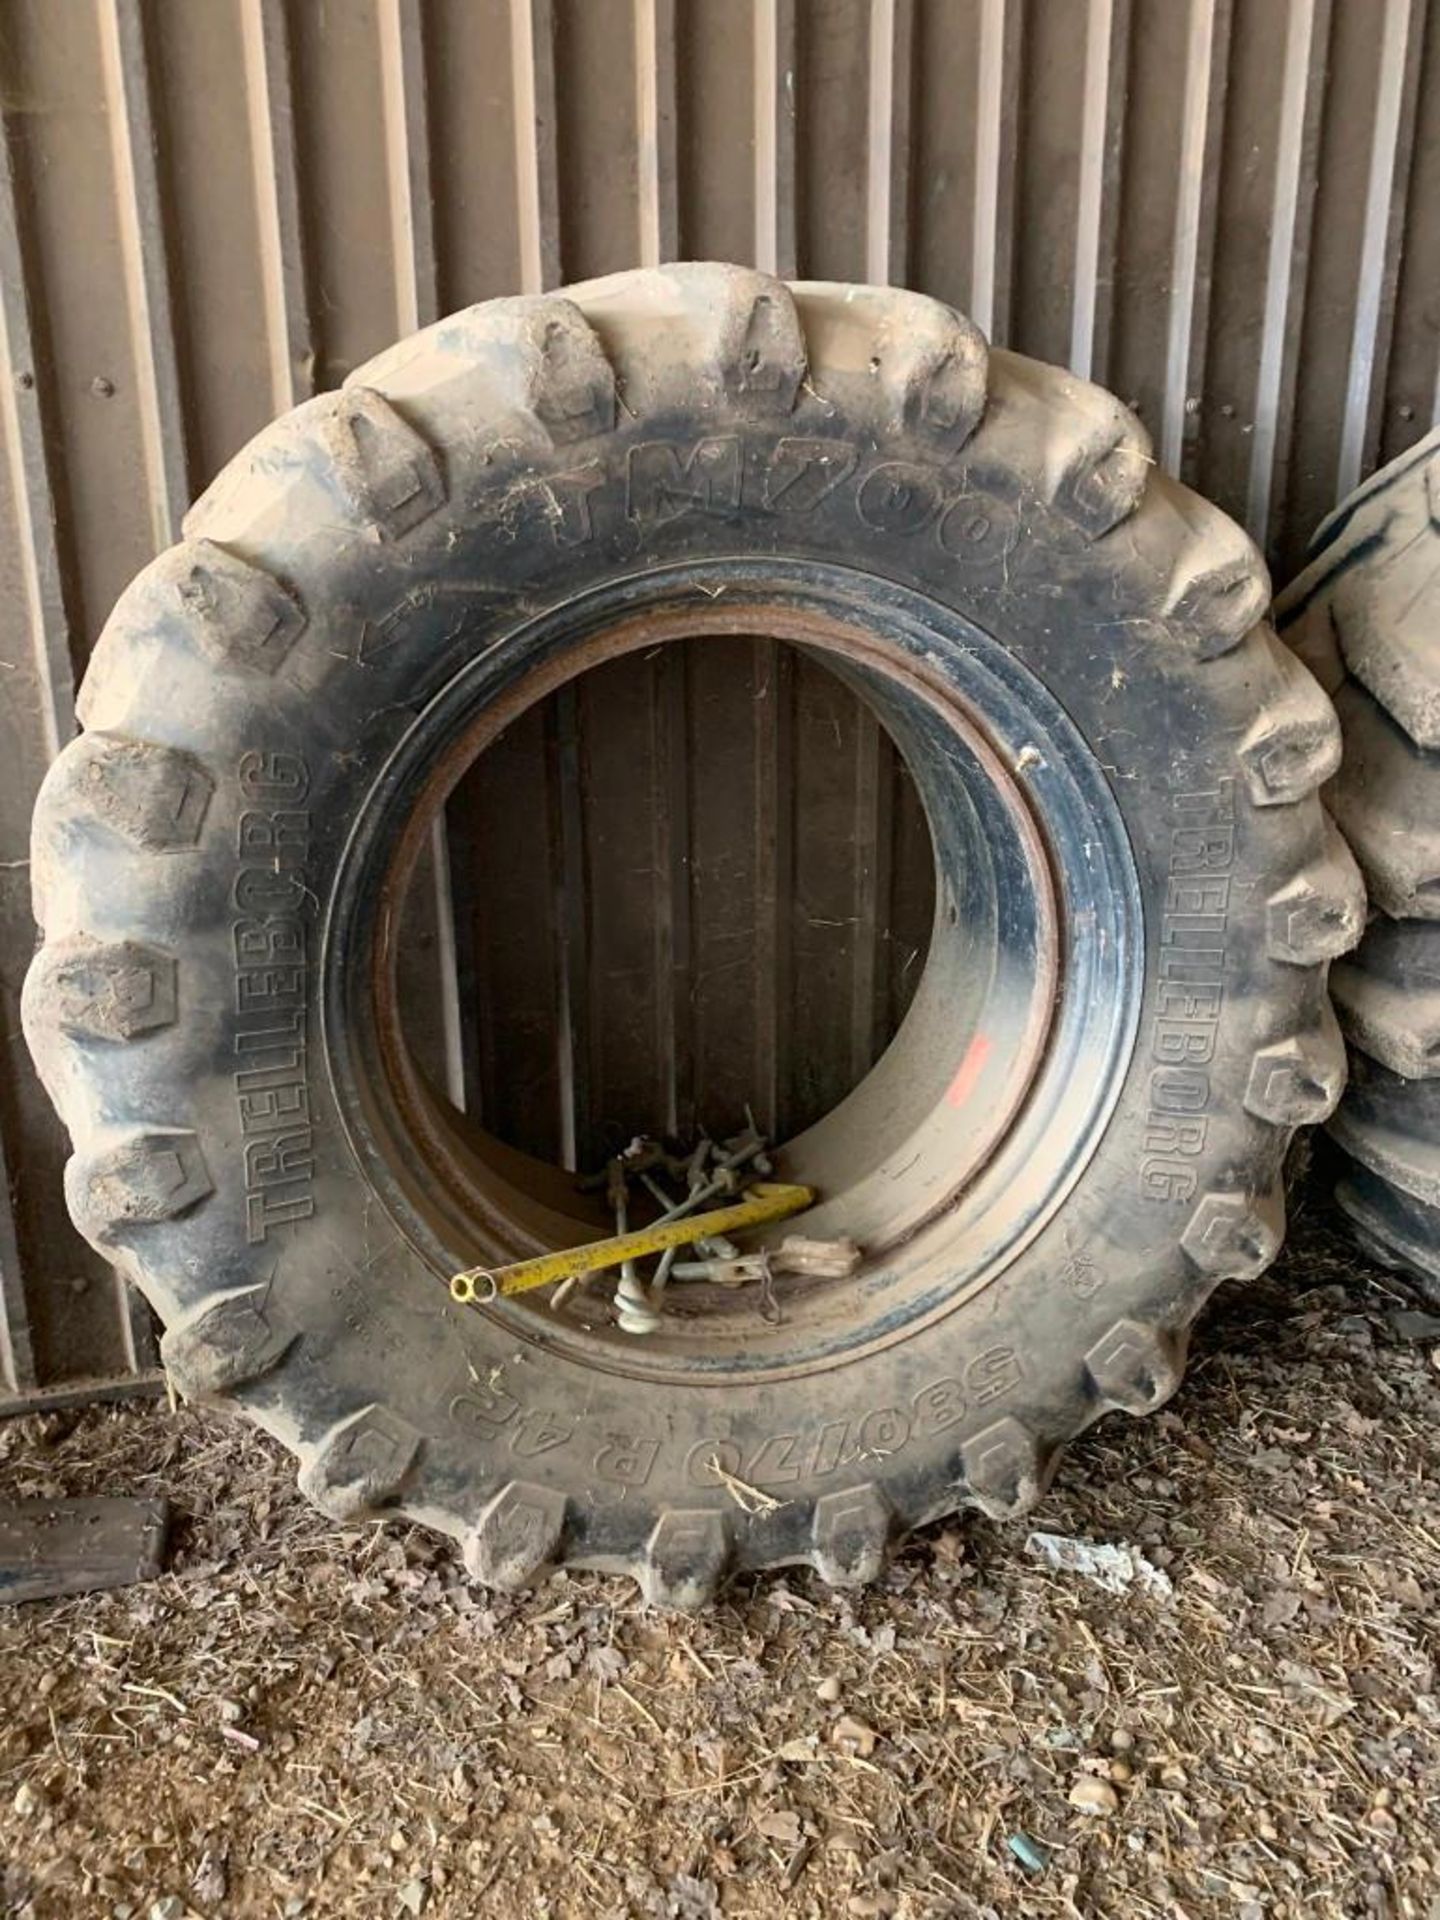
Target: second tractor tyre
1365, 615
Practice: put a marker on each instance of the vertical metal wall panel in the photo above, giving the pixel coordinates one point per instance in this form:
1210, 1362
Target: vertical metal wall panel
1338, 245
656, 184
1228, 210
346, 231
405, 89
1412, 365
831, 82
716, 103
597, 134
212, 214
1052, 105
776, 86
945, 178
144, 249
473, 145
1378, 273
63, 158
1160, 241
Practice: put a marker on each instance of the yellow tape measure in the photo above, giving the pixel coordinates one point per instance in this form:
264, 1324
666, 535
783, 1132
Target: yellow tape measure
763, 1202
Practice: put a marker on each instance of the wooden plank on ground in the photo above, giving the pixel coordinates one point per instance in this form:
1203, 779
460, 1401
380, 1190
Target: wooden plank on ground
54, 1547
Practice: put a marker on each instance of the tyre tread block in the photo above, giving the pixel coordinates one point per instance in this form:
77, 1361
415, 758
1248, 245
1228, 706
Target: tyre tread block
360, 1467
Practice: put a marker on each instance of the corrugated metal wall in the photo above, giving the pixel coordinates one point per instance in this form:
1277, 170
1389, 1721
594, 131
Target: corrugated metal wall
1227, 210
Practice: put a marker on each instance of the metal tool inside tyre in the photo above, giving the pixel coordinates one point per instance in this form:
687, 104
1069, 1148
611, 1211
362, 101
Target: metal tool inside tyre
1365, 615
1076, 1134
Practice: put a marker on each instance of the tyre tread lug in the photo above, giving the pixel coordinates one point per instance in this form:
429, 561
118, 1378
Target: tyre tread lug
358, 1470
517, 1536
226, 1343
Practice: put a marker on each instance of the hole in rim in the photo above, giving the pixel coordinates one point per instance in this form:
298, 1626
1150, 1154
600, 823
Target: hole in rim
957, 1147
695, 884
932, 1109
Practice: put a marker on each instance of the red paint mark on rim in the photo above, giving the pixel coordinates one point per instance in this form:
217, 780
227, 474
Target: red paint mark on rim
971, 1067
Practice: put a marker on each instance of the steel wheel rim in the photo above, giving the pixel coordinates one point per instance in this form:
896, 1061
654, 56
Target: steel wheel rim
1051, 1081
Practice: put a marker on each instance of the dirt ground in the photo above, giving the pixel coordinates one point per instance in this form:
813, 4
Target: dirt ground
288, 1723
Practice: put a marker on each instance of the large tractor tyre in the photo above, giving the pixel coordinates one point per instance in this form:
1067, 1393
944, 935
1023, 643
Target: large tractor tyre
1078, 1131
1365, 616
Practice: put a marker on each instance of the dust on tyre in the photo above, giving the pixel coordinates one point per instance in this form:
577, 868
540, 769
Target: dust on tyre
361, 598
